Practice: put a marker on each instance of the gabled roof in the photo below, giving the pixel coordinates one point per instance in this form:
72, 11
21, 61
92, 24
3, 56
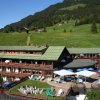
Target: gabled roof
24, 48
52, 53
83, 50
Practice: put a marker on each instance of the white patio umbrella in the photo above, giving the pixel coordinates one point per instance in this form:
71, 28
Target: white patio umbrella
63, 72
85, 73
95, 76
7, 61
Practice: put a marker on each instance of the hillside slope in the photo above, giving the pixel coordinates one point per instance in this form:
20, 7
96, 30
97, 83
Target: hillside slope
79, 36
82, 11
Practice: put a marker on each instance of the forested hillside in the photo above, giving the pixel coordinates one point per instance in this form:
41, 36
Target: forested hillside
81, 11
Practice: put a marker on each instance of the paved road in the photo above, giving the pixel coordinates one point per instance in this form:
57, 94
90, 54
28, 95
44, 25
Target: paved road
6, 97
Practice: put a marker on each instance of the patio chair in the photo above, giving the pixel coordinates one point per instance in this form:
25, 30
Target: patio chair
57, 80
39, 77
60, 92
30, 77
60, 81
41, 91
35, 88
42, 78
79, 80
48, 90
49, 79
37, 91
35, 78
52, 89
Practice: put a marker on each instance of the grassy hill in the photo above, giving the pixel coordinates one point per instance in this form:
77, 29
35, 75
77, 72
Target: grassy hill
79, 36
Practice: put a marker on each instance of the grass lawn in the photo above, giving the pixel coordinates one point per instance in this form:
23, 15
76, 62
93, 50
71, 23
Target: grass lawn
93, 94
78, 37
33, 83
30, 83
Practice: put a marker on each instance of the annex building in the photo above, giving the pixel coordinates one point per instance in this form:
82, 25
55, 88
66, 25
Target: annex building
86, 54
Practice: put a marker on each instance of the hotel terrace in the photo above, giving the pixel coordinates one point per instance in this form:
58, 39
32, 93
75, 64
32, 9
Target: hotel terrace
17, 62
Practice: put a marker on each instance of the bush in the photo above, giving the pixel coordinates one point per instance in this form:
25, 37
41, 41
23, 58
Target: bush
94, 94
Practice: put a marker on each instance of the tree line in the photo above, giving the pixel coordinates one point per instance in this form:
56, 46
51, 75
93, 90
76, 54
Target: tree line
89, 14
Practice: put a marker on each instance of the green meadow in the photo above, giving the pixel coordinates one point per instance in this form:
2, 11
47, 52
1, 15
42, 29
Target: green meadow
61, 34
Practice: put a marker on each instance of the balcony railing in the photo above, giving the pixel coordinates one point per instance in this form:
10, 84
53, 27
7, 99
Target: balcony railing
14, 74
26, 66
86, 57
97, 59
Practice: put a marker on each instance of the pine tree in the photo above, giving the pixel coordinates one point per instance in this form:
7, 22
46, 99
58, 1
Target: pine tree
64, 30
94, 27
44, 29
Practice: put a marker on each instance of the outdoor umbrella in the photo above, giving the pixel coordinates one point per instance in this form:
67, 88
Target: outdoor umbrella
7, 83
63, 72
98, 70
70, 70
85, 68
90, 69
79, 69
95, 76
85, 73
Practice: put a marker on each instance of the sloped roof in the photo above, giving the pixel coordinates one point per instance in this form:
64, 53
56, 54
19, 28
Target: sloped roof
83, 50
20, 56
78, 63
30, 48
52, 53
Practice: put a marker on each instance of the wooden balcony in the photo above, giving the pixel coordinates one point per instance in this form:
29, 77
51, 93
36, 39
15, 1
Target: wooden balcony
14, 74
26, 66
97, 59
86, 57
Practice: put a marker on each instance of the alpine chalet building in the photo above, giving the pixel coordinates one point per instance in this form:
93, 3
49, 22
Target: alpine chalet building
17, 62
